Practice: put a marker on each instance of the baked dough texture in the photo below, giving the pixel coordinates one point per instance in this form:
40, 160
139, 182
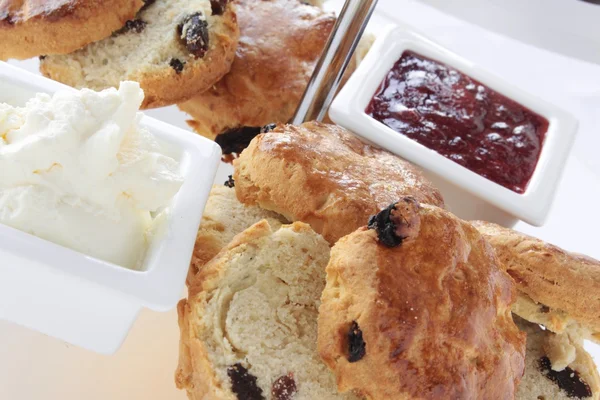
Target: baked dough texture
224, 217
427, 319
29, 28
153, 50
557, 289
249, 326
575, 378
325, 176
280, 43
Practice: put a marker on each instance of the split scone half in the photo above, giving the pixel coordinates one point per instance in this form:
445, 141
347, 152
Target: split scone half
224, 217
249, 325
173, 48
417, 307
325, 176
29, 28
557, 289
556, 367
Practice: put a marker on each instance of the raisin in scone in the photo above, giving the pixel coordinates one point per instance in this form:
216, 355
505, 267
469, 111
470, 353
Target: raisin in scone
556, 367
249, 326
417, 307
29, 28
173, 48
223, 218
325, 176
280, 43
557, 289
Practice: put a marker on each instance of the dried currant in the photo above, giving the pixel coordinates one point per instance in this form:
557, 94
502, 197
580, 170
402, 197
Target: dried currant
544, 309
243, 384
357, 347
177, 65
42, 58
237, 139
218, 6
268, 128
193, 32
230, 182
397, 222
136, 25
133, 25
567, 379
284, 387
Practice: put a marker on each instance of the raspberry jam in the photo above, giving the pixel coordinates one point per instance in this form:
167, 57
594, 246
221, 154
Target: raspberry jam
460, 118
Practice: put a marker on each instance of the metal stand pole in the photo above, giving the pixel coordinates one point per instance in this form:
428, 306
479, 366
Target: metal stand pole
337, 54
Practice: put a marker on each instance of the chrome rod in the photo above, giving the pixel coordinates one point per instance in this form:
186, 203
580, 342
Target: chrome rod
337, 54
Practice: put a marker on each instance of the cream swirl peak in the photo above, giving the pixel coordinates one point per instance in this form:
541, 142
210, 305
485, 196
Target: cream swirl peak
77, 169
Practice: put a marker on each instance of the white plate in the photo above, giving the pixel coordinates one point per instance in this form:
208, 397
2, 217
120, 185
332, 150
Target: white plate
35, 367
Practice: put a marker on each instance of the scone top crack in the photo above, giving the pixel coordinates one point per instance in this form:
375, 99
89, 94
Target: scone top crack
175, 49
429, 318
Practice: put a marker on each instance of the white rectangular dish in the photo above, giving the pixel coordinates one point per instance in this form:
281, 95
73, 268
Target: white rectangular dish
348, 110
86, 301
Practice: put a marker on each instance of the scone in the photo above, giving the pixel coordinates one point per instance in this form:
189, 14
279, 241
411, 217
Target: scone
280, 43
417, 307
325, 176
223, 218
29, 28
249, 326
174, 49
557, 289
575, 378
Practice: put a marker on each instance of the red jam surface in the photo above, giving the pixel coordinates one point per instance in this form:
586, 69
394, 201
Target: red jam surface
462, 119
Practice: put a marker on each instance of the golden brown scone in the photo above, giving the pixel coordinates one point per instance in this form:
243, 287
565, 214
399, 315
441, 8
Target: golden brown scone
325, 176
417, 307
280, 43
30, 28
557, 289
174, 49
556, 367
249, 326
223, 218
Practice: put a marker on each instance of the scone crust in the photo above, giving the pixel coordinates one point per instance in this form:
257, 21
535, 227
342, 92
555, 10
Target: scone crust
434, 314
325, 176
195, 373
223, 218
30, 28
164, 86
280, 43
548, 275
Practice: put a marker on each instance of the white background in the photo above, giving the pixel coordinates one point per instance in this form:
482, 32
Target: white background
33, 366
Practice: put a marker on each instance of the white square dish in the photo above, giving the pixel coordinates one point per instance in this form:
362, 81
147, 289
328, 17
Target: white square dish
86, 301
348, 110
